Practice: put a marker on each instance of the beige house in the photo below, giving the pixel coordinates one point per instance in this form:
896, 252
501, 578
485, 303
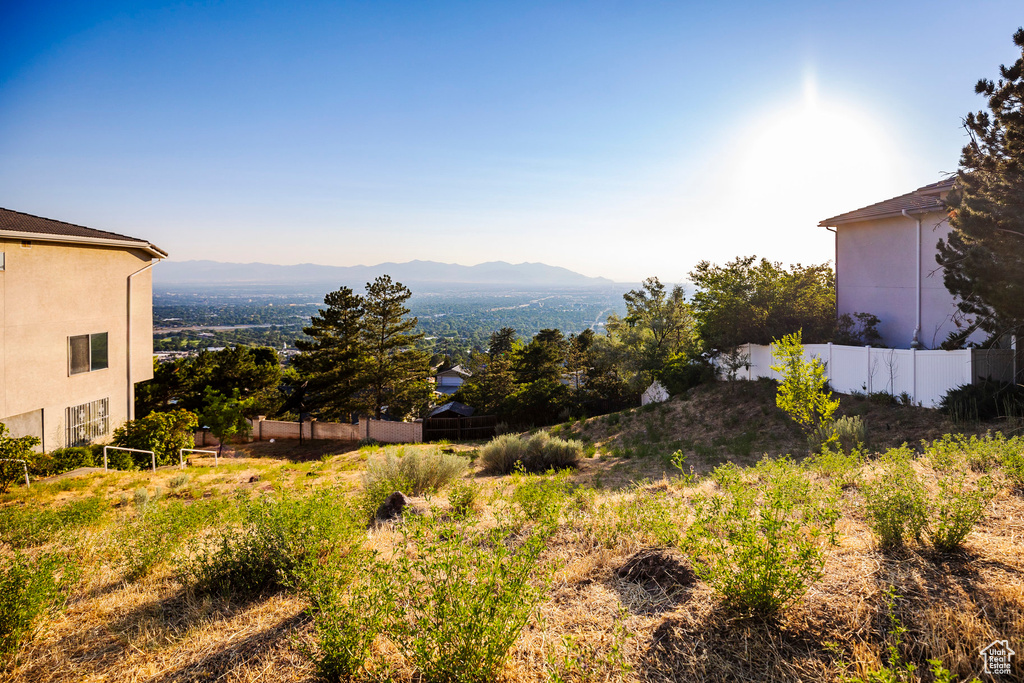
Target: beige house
76, 306
885, 265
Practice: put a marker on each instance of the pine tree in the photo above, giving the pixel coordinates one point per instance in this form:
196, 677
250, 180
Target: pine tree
395, 373
983, 257
332, 364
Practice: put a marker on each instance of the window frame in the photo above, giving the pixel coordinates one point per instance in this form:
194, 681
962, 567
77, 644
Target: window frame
92, 363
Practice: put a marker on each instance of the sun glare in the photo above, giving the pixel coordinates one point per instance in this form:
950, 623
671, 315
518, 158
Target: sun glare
816, 153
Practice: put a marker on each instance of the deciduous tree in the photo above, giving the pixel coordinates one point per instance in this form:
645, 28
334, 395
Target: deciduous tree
751, 301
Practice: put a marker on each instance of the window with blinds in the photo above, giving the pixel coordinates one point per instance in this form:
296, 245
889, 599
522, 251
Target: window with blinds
87, 422
87, 352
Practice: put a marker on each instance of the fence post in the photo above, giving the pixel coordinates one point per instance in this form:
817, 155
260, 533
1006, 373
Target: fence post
913, 363
868, 347
828, 369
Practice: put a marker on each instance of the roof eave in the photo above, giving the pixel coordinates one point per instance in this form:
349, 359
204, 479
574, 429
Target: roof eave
151, 249
836, 221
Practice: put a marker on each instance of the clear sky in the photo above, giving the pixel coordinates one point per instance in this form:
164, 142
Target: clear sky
622, 139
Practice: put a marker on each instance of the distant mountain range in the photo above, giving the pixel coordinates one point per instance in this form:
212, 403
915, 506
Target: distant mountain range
172, 273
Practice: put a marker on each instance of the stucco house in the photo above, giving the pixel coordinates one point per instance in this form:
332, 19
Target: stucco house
885, 265
76, 307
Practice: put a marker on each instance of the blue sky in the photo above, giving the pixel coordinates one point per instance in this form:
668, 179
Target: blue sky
622, 139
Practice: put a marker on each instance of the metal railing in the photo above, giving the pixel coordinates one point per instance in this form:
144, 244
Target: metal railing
132, 450
24, 464
182, 451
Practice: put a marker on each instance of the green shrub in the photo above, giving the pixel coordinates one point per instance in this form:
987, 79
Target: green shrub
541, 498
413, 473
350, 601
896, 502
641, 517
985, 400
842, 467
465, 595
151, 535
846, 433
178, 481
264, 551
141, 496
960, 502
462, 497
28, 588
164, 433
23, 527
761, 542
12, 448
535, 453
67, 459
1013, 468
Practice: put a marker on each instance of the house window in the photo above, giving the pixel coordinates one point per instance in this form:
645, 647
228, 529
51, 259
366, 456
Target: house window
87, 352
3, 261
87, 422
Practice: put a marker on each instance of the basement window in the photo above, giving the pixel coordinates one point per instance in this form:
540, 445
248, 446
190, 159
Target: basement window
87, 422
87, 352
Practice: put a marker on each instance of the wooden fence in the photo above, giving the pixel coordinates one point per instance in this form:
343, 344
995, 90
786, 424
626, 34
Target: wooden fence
459, 428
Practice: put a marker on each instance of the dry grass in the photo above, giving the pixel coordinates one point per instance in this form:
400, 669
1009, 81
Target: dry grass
593, 626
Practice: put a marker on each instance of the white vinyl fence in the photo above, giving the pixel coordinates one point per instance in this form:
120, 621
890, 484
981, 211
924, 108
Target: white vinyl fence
925, 376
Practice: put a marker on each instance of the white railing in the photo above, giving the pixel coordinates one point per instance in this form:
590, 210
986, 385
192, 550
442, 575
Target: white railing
181, 455
24, 464
131, 450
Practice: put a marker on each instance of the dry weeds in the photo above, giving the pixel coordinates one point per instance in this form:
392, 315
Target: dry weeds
594, 626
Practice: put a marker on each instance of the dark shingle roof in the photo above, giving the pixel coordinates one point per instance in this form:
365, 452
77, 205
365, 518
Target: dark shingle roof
921, 200
16, 221
453, 407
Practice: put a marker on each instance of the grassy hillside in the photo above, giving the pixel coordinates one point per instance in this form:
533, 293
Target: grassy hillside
619, 556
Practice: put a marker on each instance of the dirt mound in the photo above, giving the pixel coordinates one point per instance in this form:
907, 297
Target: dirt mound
663, 567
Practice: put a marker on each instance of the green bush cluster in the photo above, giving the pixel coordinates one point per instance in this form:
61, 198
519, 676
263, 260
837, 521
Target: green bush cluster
539, 452
413, 473
900, 508
845, 433
154, 532
985, 400
453, 599
540, 498
28, 588
896, 501
265, 549
761, 541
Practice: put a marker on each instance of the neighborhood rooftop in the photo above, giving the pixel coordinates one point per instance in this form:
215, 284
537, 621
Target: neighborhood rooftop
921, 200
26, 226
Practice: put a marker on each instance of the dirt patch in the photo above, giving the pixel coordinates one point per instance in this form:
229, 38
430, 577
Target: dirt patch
664, 567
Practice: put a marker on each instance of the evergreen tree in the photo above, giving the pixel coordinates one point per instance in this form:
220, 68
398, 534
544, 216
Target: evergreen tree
503, 341
983, 257
332, 364
395, 372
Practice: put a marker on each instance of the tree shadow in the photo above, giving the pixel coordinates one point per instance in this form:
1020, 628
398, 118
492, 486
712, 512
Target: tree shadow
725, 646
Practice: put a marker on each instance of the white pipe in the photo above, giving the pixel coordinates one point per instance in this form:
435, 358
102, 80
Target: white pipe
131, 385
916, 343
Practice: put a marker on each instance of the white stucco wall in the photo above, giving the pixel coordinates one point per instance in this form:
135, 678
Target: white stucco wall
875, 271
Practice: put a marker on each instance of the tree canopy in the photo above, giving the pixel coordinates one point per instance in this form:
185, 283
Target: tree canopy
983, 256
751, 301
